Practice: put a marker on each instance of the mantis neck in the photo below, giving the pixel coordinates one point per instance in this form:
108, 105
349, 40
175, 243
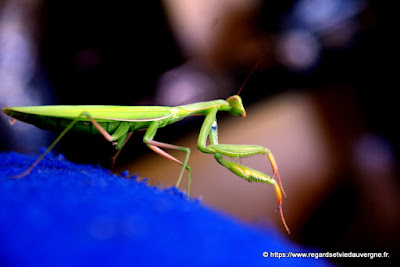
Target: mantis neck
202, 108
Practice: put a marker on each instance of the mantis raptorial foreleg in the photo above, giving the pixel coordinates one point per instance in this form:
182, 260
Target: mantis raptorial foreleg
156, 147
242, 151
255, 176
210, 129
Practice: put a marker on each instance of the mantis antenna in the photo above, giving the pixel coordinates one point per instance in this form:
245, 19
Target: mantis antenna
249, 75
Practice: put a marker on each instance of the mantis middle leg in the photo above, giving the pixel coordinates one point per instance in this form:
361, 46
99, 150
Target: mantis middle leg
157, 147
210, 129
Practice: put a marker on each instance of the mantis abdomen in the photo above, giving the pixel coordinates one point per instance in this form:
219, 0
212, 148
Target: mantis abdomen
57, 124
57, 118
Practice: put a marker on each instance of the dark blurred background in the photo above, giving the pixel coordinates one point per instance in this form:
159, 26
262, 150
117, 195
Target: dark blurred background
323, 98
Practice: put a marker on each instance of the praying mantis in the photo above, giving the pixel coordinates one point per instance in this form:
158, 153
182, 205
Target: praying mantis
117, 123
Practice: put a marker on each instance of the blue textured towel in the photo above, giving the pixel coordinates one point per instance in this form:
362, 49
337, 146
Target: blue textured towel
66, 214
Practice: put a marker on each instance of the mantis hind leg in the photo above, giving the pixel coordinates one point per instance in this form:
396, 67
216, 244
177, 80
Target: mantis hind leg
114, 159
157, 147
106, 135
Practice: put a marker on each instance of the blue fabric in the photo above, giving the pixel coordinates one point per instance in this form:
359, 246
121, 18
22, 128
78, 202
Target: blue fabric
66, 214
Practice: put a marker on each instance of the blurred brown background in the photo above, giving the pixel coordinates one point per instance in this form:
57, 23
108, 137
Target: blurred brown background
322, 100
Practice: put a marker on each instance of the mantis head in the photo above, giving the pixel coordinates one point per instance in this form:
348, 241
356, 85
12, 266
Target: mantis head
236, 106
235, 101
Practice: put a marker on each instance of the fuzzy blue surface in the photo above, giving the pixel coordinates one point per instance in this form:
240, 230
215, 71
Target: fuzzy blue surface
65, 214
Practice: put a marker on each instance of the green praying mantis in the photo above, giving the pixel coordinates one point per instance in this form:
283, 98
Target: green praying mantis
117, 123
